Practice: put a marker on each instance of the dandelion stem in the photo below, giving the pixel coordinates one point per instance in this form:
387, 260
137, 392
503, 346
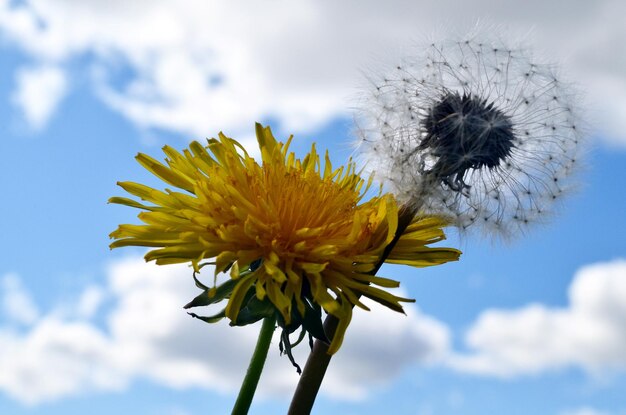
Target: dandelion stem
250, 382
319, 359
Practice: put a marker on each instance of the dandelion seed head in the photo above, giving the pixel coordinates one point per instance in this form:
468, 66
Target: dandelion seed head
476, 130
465, 132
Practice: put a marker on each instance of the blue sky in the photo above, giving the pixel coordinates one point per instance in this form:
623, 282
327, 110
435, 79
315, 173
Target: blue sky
533, 326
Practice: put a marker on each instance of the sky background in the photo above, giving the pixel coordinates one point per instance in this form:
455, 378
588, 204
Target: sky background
534, 326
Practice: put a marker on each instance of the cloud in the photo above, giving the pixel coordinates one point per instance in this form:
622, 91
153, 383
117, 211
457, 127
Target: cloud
147, 335
202, 66
17, 304
55, 358
396, 342
196, 68
89, 302
589, 333
38, 94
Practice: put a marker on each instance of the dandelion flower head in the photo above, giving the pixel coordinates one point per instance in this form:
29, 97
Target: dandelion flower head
292, 231
474, 129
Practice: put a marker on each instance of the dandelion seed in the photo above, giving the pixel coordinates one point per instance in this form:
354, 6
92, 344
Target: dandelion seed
476, 130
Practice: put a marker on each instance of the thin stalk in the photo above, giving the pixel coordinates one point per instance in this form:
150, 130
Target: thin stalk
250, 382
319, 359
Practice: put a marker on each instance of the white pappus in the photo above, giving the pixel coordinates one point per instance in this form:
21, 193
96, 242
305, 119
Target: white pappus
474, 130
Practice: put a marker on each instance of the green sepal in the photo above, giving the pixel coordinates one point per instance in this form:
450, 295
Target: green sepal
310, 324
301, 336
254, 310
312, 321
213, 295
198, 283
210, 319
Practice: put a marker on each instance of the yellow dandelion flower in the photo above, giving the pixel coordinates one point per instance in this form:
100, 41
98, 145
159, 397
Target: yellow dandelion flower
300, 226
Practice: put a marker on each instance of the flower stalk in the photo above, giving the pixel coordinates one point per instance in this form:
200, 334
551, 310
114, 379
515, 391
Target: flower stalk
251, 380
319, 358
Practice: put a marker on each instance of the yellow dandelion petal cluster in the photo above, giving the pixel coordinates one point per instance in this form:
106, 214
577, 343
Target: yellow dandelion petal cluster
304, 223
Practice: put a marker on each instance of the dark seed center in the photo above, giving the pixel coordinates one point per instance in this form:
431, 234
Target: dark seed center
465, 132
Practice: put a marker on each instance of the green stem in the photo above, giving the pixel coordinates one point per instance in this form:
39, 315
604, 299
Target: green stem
319, 359
250, 382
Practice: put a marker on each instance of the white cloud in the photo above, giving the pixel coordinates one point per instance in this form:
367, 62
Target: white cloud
38, 94
89, 302
55, 358
16, 303
589, 333
381, 344
148, 335
199, 68
203, 66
